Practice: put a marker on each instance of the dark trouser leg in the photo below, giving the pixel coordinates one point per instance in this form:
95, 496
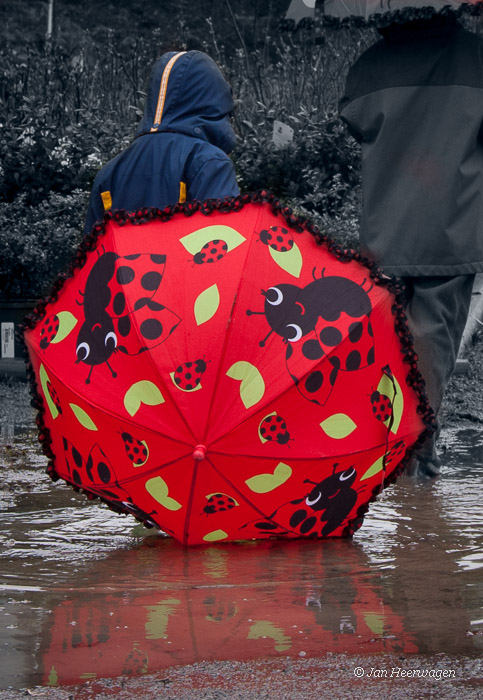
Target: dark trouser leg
437, 309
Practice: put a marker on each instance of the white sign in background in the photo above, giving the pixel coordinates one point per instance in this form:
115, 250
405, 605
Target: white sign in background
282, 134
8, 339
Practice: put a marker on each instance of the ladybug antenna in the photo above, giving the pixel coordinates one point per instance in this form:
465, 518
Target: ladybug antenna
114, 374
363, 283
255, 313
262, 342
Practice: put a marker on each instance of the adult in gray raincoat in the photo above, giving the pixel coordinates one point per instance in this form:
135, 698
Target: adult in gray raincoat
414, 101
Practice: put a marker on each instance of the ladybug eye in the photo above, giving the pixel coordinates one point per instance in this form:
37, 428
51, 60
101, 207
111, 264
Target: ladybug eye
274, 296
347, 474
296, 333
111, 337
82, 351
312, 501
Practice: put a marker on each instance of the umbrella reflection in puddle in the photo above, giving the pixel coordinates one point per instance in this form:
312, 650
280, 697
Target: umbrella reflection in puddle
236, 602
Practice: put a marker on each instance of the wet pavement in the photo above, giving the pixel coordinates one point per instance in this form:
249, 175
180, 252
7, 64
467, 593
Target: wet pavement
87, 594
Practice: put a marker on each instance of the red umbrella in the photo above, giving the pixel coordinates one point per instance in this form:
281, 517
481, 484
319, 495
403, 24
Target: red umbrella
224, 372
374, 9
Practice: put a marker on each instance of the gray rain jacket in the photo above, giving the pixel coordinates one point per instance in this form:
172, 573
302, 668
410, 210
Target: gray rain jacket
414, 101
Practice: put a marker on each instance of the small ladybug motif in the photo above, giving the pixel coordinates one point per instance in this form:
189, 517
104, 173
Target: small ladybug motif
219, 502
396, 452
278, 238
381, 406
136, 450
49, 331
219, 610
97, 477
54, 396
274, 428
136, 662
188, 375
211, 252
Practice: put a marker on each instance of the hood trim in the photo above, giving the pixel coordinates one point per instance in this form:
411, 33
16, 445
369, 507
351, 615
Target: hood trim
163, 89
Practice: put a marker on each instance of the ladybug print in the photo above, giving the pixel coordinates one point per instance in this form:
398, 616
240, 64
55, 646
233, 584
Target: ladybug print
219, 610
188, 376
396, 452
136, 663
322, 510
219, 502
136, 450
96, 475
54, 396
95, 472
381, 406
211, 252
274, 428
278, 238
49, 331
111, 323
326, 328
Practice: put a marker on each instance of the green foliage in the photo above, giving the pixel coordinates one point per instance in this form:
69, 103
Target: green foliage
38, 241
62, 116
68, 106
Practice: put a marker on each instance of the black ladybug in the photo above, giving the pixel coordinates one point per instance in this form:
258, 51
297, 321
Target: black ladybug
211, 252
278, 238
274, 428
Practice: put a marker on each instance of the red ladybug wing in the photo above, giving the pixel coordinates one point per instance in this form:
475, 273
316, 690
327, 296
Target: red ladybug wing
312, 371
140, 318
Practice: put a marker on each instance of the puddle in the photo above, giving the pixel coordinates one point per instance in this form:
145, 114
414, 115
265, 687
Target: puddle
85, 593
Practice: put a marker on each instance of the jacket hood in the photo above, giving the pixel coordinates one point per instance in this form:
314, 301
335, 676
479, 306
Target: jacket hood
188, 94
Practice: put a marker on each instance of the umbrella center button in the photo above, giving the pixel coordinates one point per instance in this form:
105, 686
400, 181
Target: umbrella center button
199, 453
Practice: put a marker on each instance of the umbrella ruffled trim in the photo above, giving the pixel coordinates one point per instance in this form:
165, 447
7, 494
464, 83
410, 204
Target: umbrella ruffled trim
414, 378
382, 19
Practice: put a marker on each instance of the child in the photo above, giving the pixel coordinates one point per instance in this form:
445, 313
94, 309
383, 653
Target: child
414, 101
180, 151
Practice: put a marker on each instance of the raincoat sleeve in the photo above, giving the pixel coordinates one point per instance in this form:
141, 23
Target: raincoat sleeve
214, 179
349, 105
95, 210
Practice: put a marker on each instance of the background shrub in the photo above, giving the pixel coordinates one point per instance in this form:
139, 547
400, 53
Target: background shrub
36, 242
70, 104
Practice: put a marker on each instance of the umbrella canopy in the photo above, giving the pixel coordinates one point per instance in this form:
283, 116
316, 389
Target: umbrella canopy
400, 10
300, 11
225, 374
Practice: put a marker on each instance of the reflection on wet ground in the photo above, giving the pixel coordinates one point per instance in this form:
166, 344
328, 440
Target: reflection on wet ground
86, 593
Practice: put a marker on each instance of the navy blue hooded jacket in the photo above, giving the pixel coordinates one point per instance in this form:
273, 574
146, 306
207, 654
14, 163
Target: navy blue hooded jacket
180, 151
